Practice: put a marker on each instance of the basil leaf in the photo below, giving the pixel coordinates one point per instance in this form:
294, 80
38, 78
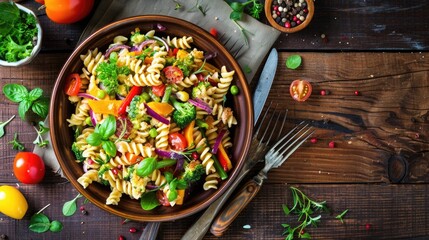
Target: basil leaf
168, 176
293, 61
39, 223
172, 195
69, 208
235, 15
109, 147
56, 226
149, 201
35, 94
94, 139
146, 167
15, 92
182, 184
107, 127
23, 108
41, 107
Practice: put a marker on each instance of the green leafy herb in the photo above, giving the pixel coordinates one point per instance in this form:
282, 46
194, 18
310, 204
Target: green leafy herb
33, 100
305, 208
39, 223
108, 74
149, 201
341, 215
178, 5
293, 61
198, 6
3, 125
102, 133
39, 139
247, 69
16, 144
17, 31
253, 7
69, 207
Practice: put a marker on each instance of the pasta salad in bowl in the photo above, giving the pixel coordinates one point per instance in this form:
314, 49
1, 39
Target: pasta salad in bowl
144, 122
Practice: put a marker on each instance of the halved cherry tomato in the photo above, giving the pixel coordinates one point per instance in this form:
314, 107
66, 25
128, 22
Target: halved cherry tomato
159, 90
28, 167
68, 11
173, 74
162, 198
73, 84
300, 90
177, 141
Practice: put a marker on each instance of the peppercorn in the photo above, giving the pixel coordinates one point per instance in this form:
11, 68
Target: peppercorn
332, 144
289, 13
84, 212
313, 140
133, 230
121, 237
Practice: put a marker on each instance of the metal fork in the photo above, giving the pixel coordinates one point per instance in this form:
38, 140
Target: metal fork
259, 145
277, 154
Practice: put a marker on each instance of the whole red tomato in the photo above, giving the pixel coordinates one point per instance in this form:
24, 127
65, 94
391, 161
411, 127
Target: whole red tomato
28, 167
68, 11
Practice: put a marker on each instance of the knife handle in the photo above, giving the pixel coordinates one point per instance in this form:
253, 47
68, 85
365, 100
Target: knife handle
233, 209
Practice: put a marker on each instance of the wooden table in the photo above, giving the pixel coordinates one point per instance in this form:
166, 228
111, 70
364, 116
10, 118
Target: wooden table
378, 170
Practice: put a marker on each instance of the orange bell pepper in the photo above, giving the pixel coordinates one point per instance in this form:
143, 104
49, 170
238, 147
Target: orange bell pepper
163, 109
105, 106
223, 158
189, 134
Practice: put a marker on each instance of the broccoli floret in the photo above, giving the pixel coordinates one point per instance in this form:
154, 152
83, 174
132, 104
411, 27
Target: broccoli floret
186, 64
184, 113
77, 152
193, 171
137, 38
134, 108
199, 89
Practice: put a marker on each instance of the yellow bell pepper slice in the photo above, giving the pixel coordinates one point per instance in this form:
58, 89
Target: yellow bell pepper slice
189, 134
180, 196
105, 106
163, 109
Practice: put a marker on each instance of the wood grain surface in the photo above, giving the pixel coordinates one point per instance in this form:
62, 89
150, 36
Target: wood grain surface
379, 169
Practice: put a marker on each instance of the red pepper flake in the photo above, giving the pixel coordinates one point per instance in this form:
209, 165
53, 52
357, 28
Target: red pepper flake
332, 144
313, 140
133, 230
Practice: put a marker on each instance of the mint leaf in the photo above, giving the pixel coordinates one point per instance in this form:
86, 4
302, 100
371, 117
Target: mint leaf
15, 92
149, 201
23, 108
293, 61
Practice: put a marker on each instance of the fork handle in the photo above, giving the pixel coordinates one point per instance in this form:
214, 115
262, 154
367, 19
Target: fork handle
234, 208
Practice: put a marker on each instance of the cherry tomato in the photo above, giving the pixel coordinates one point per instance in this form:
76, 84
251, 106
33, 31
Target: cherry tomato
162, 198
173, 74
28, 167
177, 141
73, 84
300, 90
68, 11
12, 202
159, 90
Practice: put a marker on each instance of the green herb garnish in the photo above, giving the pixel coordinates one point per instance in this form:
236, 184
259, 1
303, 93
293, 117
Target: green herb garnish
69, 207
40, 223
253, 7
293, 61
17, 32
19, 94
341, 215
305, 208
149, 201
39, 140
16, 144
108, 74
101, 135
3, 125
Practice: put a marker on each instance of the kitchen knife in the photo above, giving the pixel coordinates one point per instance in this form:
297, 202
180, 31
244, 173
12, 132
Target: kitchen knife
202, 225
264, 84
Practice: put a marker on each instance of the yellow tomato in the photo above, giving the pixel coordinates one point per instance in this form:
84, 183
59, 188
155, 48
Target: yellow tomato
12, 202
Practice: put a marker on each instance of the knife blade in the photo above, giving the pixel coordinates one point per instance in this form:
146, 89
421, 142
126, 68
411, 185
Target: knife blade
202, 225
264, 84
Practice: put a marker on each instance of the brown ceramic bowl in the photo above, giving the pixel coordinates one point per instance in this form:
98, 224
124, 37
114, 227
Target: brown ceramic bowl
61, 109
304, 24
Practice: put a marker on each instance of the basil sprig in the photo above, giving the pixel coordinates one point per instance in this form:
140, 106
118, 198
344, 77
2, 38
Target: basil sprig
33, 100
101, 135
40, 223
148, 165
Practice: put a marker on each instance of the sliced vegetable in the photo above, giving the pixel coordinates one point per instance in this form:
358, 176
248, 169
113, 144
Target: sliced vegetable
219, 169
155, 115
73, 84
177, 141
87, 95
162, 108
201, 104
135, 90
173, 73
105, 106
167, 48
115, 47
132, 158
188, 131
168, 154
167, 94
92, 117
143, 44
224, 160
218, 141
159, 90
300, 90
180, 196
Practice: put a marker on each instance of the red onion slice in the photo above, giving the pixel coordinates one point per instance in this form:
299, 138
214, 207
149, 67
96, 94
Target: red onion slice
218, 141
87, 95
155, 115
142, 45
169, 154
93, 118
201, 104
115, 48
160, 27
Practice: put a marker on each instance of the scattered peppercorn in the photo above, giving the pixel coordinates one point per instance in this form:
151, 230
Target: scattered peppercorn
115, 171
121, 237
82, 208
84, 212
357, 93
195, 155
324, 92
332, 144
133, 230
367, 226
289, 13
313, 140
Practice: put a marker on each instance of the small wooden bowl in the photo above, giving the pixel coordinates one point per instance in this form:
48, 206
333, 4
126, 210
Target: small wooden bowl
273, 23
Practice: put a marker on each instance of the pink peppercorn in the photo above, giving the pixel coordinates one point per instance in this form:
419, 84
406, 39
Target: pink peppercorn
287, 25
298, 22
367, 226
323, 92
121, 237
90, 161
332, 144
119, 167
276, 8
133, 230
313, 140
295, 18
82, 208
357, 93
115, 171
